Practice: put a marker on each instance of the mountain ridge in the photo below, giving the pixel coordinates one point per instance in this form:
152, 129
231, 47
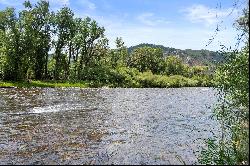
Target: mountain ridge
188, 56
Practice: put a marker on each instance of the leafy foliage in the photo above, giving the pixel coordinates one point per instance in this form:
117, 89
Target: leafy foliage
146, 58
232, 111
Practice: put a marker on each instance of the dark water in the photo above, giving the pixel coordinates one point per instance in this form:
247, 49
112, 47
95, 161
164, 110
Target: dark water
104, 126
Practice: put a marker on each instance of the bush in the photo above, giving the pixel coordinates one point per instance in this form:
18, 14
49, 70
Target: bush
147, 79
106, 76
128, 77
205, 80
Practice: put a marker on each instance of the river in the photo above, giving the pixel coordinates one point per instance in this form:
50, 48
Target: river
104, 126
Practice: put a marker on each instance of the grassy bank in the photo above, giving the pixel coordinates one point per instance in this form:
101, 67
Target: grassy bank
149, 80
50, 84
143, 80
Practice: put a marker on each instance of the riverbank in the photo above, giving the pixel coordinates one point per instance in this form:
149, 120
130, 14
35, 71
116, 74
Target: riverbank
45, 84
147, 81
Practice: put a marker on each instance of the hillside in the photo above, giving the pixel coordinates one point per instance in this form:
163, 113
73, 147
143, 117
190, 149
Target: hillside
189, 56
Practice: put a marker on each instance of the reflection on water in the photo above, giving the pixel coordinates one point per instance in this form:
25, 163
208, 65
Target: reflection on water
104, 126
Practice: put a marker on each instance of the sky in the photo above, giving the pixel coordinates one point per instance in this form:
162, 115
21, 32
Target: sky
181, 24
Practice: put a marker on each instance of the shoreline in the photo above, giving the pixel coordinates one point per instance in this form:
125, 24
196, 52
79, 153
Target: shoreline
84, 85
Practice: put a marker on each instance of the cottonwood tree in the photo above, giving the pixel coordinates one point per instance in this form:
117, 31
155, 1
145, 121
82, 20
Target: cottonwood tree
64, 23
37, 35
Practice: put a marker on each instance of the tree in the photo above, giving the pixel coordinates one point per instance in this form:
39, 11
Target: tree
233, 108
92, 42
26, 40
173, 66
63, 22
37, 36
11, 28
146, 58
121, 51
118, 57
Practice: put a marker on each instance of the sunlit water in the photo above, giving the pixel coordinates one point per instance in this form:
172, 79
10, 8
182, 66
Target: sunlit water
104, 126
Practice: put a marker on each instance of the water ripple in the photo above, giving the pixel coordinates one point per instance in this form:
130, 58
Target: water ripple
104, 126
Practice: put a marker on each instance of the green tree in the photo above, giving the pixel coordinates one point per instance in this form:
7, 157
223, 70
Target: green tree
26, 40
146, 58
173, 66
63, 21
11, 28
121, 51
233, 108
37, 36
92, 44
118, 57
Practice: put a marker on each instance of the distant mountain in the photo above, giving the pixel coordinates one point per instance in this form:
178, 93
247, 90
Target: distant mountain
188, 56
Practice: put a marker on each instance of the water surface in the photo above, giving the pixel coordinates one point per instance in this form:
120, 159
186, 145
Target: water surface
104, 126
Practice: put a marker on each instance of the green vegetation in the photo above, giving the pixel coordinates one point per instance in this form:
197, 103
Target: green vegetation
192, 57
120, 77
50, 84
53, 47
232, 111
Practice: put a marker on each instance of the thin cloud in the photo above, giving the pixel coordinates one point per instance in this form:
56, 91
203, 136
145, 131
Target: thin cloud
10, 3
203, 14
149, 19
87, 3
61, 2
54, 4
5, 2
57, 4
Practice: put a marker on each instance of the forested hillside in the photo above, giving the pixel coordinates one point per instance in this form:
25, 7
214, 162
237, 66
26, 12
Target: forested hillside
188, 56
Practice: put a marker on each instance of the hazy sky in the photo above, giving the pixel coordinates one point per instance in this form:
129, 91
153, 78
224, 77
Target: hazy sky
180, 24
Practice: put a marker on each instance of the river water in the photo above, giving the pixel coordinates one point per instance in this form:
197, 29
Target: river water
104, 126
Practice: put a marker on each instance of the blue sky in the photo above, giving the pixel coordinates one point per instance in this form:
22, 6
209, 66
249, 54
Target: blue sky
183, 24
